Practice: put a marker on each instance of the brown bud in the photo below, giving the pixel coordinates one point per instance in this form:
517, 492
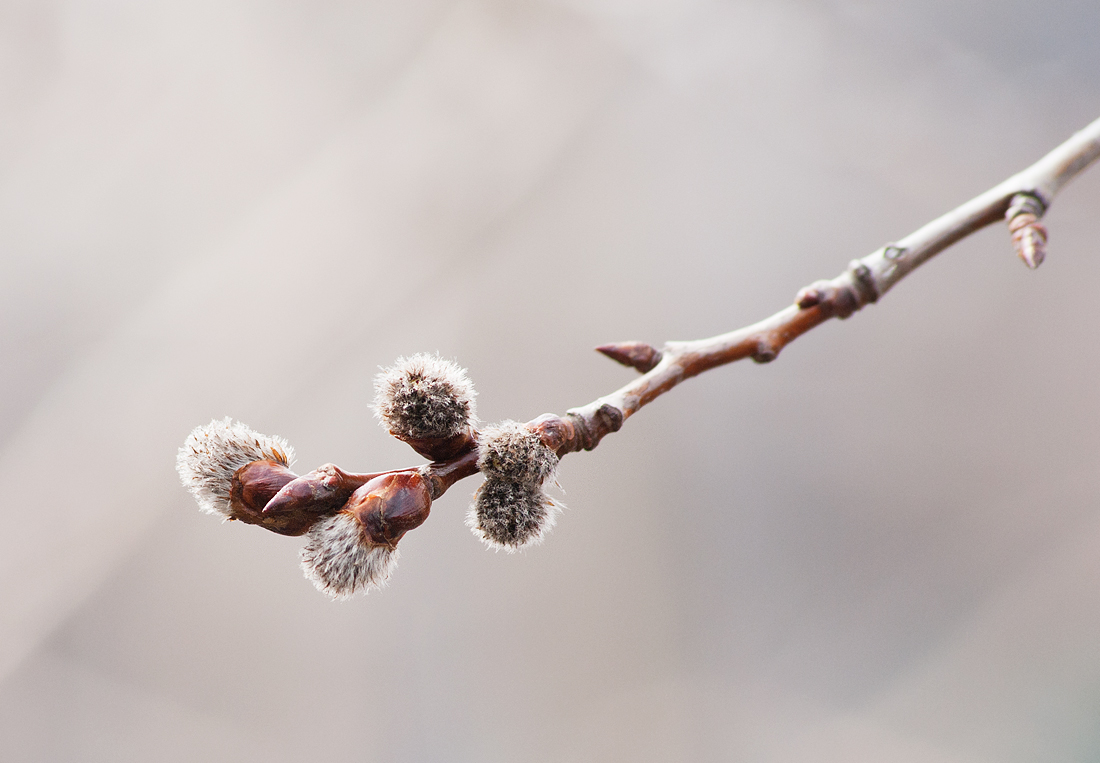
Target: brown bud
322, 491
830, 299
556, 433
638, 355
811, 296
390, 505
253, 486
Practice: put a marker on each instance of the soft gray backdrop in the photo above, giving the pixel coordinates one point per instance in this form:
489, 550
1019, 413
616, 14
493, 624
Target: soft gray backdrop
885, 546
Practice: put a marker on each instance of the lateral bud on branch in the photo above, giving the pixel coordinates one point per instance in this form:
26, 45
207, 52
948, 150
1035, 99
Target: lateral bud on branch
1029, 236
765, 351
211, 457
638, 355
843, 295
252, 488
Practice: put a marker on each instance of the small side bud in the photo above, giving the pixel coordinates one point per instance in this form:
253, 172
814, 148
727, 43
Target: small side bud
510, 515
637, 355
424, 397
356, 549
1029, 236
213, 453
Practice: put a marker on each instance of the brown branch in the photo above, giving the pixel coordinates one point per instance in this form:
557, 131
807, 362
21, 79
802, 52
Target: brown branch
268, 494
1022, 200
355, 521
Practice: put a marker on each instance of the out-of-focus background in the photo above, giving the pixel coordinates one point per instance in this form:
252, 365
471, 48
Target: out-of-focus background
884, 546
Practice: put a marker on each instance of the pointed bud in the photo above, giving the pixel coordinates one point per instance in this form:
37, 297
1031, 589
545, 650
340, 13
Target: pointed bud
1029, 236
253, 487
356, 549
322, 491
637, 355
213, 453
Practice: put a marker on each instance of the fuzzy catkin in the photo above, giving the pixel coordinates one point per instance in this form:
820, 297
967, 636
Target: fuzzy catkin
511, 510
424, 396
214, 452
340, 561
510, 452
511, 515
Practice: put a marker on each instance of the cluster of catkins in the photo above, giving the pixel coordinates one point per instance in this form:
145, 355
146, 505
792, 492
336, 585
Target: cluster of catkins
353, 522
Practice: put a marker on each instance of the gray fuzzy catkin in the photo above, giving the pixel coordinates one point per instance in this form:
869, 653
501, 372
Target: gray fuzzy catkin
340, 561
510, 515
212, 453
510, 452
424, 396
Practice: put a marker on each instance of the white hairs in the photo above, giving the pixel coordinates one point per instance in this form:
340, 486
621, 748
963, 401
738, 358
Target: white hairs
511, 452
509, 516
340, 561
424, 396
511, 510
212, 453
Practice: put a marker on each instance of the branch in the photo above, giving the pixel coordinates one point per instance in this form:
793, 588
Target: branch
1021, 201
354, 521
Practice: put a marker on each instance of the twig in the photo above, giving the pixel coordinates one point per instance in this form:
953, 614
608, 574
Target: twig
1022, 200
354, 521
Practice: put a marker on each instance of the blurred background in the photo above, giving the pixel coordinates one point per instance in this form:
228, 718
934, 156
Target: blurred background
884, 546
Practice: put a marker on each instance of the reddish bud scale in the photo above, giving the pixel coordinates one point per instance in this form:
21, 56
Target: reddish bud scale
390, 505
638, 355
322, 491
440, 448
253, 486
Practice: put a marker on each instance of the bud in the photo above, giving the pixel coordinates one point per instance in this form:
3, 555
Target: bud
510, 515
253, 487
322, 491
511, 452
356, 549
511, 510
340, 561
428, 402
390, 505
213, 453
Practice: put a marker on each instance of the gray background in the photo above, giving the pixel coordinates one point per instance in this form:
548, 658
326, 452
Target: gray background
884, 546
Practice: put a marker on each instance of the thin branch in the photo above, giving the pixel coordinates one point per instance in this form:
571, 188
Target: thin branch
1022, 200
354, 521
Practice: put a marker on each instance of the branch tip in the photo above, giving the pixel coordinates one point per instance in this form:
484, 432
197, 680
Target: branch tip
637, 355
